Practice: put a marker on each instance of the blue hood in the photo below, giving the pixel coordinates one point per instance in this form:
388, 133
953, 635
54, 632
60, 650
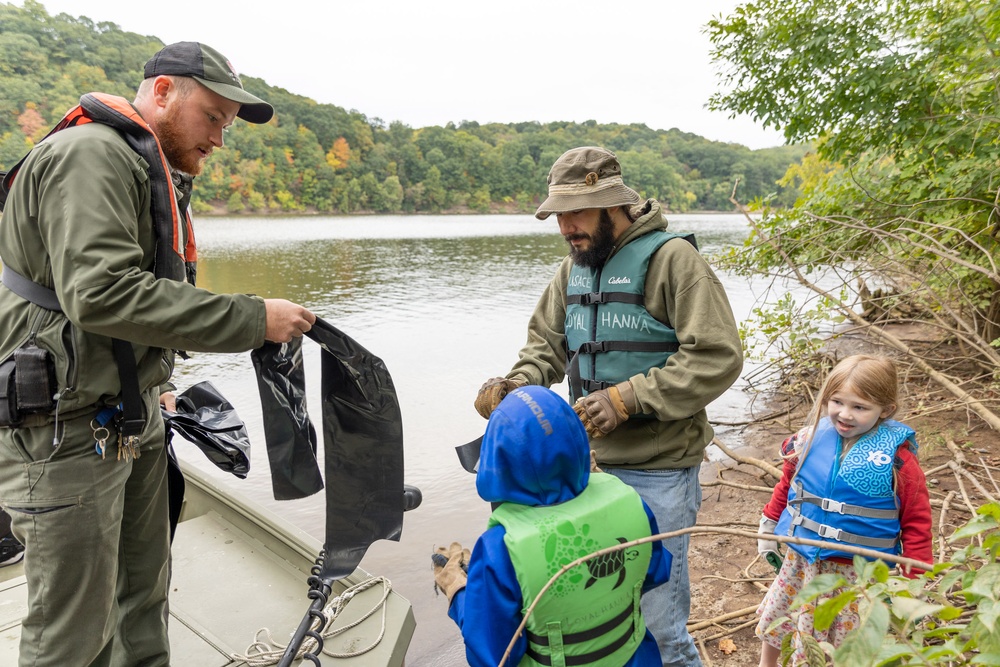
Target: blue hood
535, 450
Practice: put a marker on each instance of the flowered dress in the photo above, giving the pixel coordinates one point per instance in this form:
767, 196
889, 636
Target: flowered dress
795, 573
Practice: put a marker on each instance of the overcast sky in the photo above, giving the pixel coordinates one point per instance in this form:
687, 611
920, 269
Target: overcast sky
428, 63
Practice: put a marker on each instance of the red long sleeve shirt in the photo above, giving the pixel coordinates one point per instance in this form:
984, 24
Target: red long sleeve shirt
911, 491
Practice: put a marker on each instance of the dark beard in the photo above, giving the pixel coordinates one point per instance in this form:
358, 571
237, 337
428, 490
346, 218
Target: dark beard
601, 244
179, 159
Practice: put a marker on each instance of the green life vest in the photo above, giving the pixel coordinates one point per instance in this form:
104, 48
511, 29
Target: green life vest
590, 615
609, 333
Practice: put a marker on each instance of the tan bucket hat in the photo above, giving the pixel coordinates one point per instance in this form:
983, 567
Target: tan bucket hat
587, 177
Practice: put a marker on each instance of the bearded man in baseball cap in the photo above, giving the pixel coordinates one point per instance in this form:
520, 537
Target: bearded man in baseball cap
98, 276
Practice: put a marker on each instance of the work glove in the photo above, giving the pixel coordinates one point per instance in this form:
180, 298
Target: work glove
603, 411
492, 392
593, 462
768, 548
450, 567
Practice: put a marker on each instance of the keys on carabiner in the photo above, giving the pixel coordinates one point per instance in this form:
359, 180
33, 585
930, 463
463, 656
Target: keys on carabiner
101, 435
128, 447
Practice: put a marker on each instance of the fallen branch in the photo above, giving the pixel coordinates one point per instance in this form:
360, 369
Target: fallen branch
942, 540
957, 466
732, 631
739, 458
737, 485
701, 625
986, 468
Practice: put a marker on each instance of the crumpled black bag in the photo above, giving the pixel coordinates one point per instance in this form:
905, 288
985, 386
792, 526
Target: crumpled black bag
205, 418
362, 438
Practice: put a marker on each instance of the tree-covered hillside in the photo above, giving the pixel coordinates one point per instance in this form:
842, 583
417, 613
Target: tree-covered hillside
322, 157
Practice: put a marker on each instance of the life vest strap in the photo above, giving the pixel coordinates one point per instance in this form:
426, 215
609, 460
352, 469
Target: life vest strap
830, 505
578, 384
586, 635
29, 290
40, 295
590, 298
586, 658
829, 532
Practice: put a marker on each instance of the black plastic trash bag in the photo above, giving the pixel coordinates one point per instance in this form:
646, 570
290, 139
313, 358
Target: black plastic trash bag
288, 433
362, 440
363, 443
206, 419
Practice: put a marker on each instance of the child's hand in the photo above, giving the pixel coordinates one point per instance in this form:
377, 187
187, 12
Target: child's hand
450, 568
768, 548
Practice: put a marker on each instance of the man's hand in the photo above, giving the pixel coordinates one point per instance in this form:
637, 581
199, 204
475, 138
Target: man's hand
768, 548
285, 320
450, 565
169, 401
603, 411
492, 392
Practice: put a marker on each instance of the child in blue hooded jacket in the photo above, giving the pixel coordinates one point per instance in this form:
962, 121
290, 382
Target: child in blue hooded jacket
535, 468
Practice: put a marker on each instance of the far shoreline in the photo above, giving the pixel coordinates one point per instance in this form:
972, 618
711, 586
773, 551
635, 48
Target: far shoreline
219, 210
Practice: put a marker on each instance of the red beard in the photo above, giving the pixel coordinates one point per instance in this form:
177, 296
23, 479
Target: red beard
169, 134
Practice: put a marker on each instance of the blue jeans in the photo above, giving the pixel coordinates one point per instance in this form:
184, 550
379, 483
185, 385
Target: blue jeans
674, 496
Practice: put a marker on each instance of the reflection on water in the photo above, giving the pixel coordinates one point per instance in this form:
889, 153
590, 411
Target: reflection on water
444, 301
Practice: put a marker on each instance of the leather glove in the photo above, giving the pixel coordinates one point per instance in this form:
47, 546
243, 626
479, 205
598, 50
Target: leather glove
450, 566
492, 392
769, 548
603, 411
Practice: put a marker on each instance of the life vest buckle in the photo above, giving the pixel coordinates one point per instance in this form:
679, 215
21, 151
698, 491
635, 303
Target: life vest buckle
826, 531
830, 505
593, 347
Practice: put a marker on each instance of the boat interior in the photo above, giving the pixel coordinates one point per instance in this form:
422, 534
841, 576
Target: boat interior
239, 571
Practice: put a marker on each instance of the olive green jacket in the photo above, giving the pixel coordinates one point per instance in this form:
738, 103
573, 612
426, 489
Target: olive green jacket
682, 290
78, 220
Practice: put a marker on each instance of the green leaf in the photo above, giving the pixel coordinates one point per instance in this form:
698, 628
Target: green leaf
974, 526
990, 509
826, 612
859, 647
889, 653
985, 581
987, 613
820, 585
910, 611
815, 657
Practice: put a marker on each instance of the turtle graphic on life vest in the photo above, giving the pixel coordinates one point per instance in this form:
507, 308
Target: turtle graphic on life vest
607, 564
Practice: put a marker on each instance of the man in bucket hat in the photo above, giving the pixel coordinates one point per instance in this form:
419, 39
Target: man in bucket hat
98, 272
641, 328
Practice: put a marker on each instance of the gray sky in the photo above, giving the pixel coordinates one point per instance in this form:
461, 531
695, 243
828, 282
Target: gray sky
428, 63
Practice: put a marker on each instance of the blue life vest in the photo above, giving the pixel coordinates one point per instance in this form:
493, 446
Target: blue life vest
851, 501
609, 333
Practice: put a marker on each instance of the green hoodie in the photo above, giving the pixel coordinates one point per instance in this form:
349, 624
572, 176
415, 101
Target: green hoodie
681, 289
78, 220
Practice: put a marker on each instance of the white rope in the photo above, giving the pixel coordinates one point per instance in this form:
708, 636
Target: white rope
262, 653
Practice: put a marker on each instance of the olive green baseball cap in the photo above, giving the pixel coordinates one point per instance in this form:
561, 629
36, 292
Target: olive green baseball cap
212, 70
587, 177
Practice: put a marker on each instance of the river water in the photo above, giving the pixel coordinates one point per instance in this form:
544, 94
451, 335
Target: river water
444, 301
